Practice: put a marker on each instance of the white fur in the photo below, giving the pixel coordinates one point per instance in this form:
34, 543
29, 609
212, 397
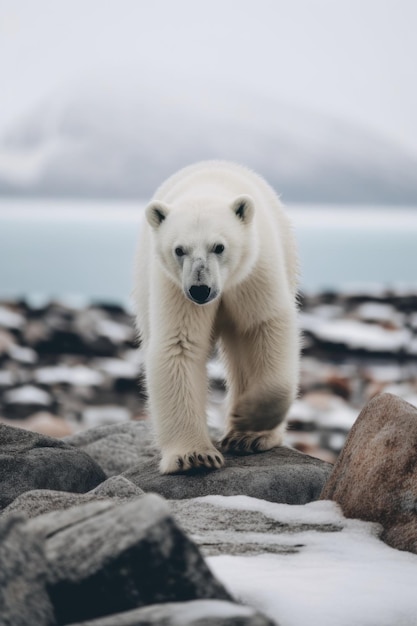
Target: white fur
251, 310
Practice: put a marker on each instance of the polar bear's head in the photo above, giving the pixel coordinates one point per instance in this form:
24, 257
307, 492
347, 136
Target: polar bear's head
205, 246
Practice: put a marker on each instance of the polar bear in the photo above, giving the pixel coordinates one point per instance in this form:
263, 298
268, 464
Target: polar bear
217, 262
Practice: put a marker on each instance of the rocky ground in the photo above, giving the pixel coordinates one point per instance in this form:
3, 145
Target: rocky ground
66, 368
92, 535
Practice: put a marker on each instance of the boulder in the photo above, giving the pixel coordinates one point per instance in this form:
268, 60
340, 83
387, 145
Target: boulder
117, 447
279, 475
106, 558
32, 461
40, 501
193, 613
375, 477
23, 595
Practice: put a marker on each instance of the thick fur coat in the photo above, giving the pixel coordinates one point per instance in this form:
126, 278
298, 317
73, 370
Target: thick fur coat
217, 262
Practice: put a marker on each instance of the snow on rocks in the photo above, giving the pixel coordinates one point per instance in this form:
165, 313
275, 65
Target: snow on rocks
324, 577
116, 556
10, 319
355, 335
355, 345
81, 357
28, 394
77, 375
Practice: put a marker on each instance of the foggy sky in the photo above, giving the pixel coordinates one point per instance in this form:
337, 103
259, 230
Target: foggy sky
352, 59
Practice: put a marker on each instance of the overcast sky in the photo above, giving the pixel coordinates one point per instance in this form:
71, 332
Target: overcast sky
353, 59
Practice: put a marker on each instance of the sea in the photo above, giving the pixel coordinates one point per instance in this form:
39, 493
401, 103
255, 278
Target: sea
83, 251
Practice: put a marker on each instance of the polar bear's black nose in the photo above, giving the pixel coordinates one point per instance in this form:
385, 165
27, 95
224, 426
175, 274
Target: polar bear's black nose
199, 293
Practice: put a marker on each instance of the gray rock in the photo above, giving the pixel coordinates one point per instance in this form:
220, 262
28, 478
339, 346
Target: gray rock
279, 475
106, 558
32, 461
219, 530
23, 596
193, 613
119, 447
40, 501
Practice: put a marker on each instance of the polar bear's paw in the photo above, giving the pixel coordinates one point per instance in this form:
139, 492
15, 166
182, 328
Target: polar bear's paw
206, 458
238, 442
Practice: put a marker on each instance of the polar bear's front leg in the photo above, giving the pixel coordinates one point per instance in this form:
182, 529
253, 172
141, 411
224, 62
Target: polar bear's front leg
177, 387
263, 367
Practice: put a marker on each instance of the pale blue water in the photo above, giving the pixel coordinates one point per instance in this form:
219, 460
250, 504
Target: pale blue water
56, 249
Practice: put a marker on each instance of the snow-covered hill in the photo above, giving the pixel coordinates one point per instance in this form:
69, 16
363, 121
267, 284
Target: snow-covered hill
118, 141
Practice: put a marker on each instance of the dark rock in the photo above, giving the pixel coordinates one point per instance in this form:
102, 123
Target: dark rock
193, 613
63, 342
23, 595
279, 475
106, 558
32, 461
40, 501
375, 477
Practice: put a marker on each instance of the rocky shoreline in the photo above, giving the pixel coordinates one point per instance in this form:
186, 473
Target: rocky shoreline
92, 535
65, 368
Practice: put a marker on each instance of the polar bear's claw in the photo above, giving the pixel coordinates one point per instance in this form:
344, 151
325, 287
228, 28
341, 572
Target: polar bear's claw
176, 463
250, 442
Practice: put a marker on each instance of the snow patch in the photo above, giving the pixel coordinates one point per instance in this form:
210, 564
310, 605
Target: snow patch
22, 354
322, 512
10, 319
334, 578
356, 334
77, 375
28, 395
118, 368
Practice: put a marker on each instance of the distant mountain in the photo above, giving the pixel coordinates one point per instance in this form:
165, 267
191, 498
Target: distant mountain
121, 143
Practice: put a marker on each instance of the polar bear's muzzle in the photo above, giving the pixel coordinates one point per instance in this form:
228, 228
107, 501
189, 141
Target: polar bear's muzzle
200, 280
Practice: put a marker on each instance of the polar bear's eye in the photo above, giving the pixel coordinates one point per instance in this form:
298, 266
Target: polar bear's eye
179, 251
218, 249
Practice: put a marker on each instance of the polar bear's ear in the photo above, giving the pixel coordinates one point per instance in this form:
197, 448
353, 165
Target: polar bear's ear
244, 208
156, 212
